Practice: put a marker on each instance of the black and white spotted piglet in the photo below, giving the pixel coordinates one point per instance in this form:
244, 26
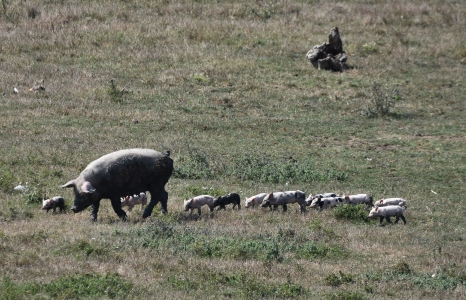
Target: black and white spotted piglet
53, 203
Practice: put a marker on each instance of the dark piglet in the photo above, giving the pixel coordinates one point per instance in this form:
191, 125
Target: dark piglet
232, 198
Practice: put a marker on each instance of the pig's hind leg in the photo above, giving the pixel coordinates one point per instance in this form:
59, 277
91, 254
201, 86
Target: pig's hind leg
155, 197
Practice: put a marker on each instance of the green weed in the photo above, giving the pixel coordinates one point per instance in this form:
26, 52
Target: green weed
382, 100
347, 295
7, 181
81, 286
313, 250
353, 213
336, 280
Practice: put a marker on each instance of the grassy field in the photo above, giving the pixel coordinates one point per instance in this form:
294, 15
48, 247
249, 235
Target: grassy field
226, 87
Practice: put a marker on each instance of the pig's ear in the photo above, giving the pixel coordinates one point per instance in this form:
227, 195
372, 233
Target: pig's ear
271, 195
253, 200
69, 184
87, 187
376, 208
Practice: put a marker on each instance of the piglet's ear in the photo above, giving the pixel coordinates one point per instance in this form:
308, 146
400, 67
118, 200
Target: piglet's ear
69, 184
376, 208
191, 200
87, 187
253, 200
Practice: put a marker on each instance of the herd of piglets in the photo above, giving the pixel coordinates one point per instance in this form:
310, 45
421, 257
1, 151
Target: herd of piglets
384, 208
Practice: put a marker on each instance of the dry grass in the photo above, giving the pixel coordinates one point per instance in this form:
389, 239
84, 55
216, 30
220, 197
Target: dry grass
223, 81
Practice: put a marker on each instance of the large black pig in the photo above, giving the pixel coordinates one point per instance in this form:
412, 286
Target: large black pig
124, 172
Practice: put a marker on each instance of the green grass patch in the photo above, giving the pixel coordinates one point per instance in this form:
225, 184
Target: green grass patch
81, 286
263, 168
237, 285
445, 279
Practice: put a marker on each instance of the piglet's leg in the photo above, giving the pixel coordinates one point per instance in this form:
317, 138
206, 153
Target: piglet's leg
388, 220
403, 218
381, 220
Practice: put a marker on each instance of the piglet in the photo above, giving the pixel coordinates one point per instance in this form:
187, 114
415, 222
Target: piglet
53, 203
387, 212
391, 201
255, 200
197, 202
131, 201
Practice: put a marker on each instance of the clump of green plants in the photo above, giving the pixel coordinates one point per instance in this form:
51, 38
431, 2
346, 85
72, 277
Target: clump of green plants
6, 180
194, 165
338, 279
444, 279
240, 285
353, 213
347, 295
312, 250
382, 100
116, 94
264, 168
370, 47
32, 194
401, 267
80, 286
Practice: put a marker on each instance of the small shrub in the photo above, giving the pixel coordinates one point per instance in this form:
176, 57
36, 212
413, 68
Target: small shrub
32, 196
347, 295
336, 280
115, 94
201, 79
401, 267
353, 213
6, 181
332, 280
382, 100
321, 251
370, 47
